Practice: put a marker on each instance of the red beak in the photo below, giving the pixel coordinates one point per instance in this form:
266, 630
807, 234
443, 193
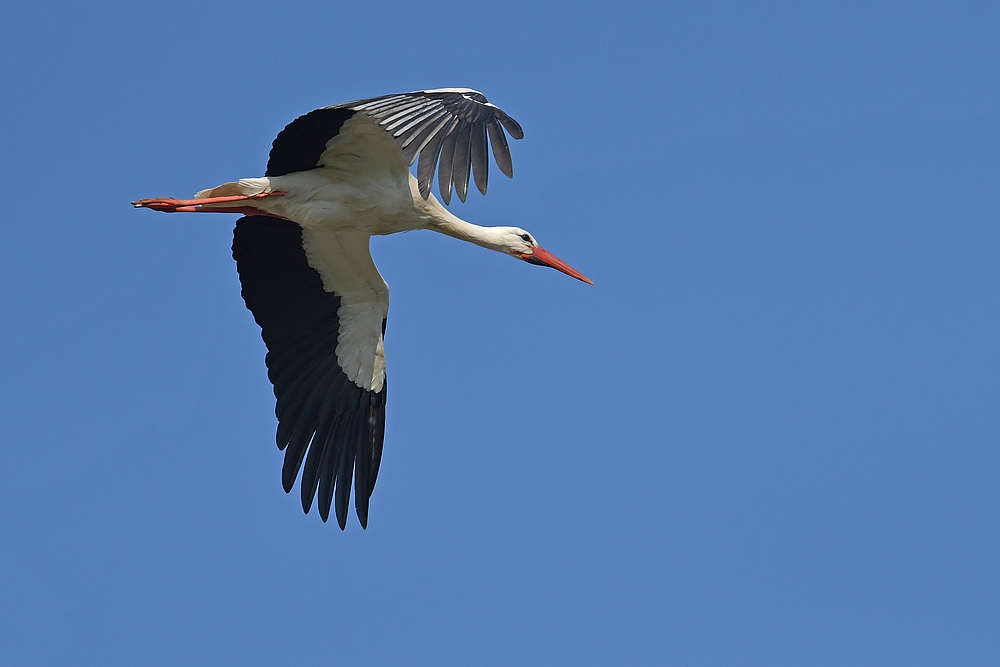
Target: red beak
543, 257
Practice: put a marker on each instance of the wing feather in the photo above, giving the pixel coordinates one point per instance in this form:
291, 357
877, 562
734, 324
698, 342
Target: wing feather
319, 408
480, 159
458, 123
446, 170
399, 123
417, 141
428, 158
501, 152
420, 119
415, 121
462, 163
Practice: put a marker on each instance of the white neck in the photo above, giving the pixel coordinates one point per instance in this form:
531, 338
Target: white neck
442, 220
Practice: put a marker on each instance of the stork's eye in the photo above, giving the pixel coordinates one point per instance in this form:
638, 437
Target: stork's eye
525, 238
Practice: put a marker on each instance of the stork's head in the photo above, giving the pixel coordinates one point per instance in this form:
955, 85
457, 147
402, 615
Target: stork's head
519, 243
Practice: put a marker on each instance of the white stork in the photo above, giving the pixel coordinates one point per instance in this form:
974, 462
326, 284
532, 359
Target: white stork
335, 177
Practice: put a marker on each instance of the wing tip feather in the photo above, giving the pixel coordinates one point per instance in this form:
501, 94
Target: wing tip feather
419, 120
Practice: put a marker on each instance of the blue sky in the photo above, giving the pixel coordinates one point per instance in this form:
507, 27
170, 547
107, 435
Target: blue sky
766, 436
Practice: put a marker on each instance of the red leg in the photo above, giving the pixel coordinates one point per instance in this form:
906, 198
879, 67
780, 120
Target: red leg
243, 210
170, 205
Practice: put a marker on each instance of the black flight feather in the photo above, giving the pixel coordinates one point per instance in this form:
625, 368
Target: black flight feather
325, 421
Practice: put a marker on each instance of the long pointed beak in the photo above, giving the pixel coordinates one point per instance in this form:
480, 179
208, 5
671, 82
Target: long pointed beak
543, 257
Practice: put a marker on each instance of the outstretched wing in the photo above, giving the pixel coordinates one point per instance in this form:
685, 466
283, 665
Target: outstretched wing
324, 359
449, 129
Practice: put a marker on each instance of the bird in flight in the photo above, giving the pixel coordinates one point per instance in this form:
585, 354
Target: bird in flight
335, 177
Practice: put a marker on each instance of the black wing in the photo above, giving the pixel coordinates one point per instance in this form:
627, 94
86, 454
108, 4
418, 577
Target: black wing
331, 423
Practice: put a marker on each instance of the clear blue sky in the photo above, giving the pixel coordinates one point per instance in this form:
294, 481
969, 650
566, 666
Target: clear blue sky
767, 436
